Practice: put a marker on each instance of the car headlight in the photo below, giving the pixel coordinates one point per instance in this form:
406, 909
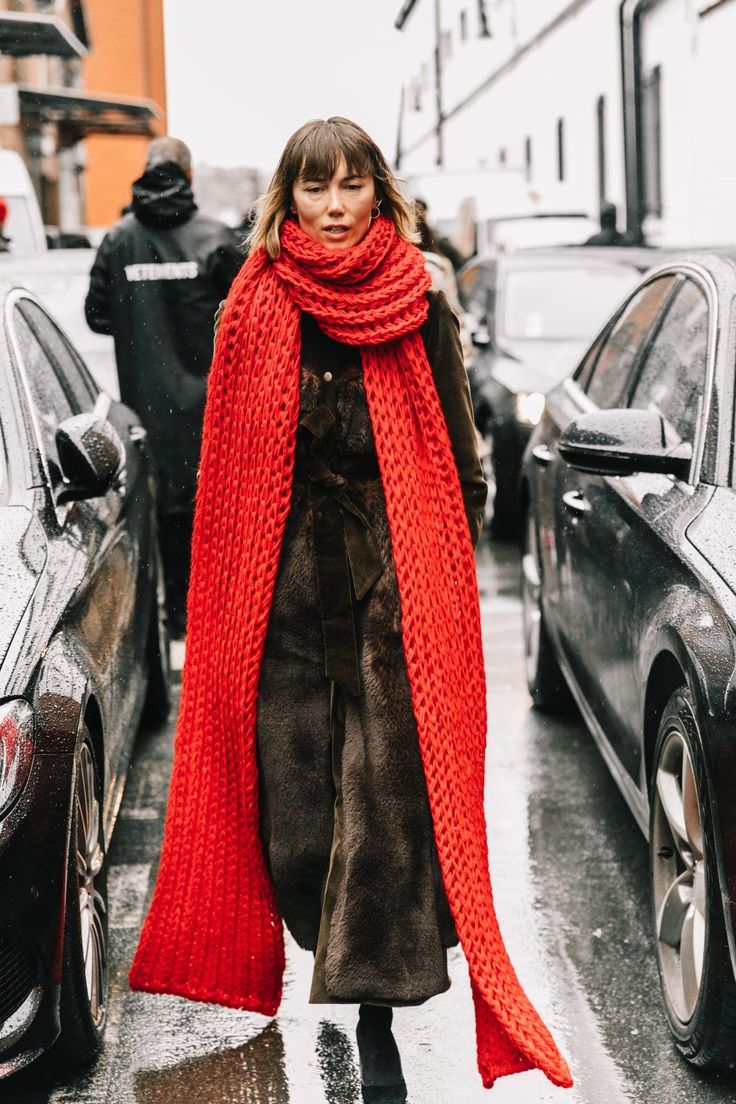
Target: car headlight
529, 407
16, 750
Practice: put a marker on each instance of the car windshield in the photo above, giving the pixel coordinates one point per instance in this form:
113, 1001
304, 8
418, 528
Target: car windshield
561, 303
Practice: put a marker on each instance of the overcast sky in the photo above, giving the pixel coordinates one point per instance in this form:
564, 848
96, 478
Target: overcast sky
244, 74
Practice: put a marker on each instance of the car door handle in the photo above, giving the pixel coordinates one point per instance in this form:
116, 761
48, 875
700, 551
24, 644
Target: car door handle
543, 455
575, 503
137, 434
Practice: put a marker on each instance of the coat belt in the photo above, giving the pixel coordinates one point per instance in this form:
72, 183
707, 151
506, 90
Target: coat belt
347, 559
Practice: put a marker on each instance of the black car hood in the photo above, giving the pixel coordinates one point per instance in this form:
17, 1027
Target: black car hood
23, 554
162, 197
535, 365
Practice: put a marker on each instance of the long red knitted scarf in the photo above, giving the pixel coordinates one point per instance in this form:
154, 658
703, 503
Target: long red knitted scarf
213, 931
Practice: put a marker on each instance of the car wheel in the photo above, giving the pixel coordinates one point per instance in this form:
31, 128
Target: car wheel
158, 655
544, 678
692, 949
84, 982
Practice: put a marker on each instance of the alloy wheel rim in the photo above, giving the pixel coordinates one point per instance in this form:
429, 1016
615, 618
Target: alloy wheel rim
531, 593
679, 877
90, 858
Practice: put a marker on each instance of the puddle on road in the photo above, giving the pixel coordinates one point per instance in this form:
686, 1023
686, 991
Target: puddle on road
254, 1073
336, 1066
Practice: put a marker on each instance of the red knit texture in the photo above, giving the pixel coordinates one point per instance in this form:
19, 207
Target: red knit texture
213, 931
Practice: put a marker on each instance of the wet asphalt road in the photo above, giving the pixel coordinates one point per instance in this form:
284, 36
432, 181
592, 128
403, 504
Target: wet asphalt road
569, 872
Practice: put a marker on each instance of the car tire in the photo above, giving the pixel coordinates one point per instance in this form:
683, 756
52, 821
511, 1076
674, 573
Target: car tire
505, 518
158, 657
503, 521
545, 680
84, 980
695, 969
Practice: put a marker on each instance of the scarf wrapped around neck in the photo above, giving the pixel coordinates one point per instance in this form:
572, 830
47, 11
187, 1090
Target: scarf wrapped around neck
213, 931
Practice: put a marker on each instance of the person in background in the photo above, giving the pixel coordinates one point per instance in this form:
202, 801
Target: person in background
442, 245
245, 227
155, 285
608, 233
442, 275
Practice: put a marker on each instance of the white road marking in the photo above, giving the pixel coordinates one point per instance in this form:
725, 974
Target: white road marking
139, 814
177, 655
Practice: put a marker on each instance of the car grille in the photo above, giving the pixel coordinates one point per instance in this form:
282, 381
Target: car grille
17, 976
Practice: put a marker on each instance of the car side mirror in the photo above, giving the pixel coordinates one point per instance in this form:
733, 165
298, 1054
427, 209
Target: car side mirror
622, 442
91, 457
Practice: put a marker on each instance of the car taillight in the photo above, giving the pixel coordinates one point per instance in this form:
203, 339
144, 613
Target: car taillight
16, 750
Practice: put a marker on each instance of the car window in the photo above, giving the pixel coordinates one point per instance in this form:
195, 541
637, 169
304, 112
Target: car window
582, 373
607, 385
671, 379
3, 470
477, 288
63, 356
466, 281
52, 403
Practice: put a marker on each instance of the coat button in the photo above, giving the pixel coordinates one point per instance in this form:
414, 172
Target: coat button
327, 377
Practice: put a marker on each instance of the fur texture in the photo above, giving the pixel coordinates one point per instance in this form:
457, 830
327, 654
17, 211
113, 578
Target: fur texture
353, 775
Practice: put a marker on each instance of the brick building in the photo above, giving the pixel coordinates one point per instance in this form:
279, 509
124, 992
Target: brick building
127, 59
81, 91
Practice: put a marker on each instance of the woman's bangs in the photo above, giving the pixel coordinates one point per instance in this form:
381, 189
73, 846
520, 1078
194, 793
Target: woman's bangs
323, 149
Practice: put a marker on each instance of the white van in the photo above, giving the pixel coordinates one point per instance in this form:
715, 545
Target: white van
23, 225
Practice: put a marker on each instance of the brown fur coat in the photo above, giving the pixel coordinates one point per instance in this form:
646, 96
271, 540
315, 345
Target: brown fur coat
345, 816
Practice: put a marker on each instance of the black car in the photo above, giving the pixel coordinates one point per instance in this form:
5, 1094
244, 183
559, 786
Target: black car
629, 584
532, 314
83, 649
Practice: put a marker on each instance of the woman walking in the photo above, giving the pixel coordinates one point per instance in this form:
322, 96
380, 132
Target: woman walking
329, 756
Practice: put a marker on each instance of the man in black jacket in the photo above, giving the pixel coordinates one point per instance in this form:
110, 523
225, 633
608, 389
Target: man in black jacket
156, 283
608, 233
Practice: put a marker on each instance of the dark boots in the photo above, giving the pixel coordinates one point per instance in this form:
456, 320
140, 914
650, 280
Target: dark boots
380, 1063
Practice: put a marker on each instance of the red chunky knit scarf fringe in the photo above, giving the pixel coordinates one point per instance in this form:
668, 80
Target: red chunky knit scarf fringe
213, 932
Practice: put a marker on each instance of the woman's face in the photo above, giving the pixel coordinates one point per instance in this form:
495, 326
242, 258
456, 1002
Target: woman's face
336, 212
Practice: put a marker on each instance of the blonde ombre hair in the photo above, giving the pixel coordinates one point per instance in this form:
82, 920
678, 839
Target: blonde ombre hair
313, 153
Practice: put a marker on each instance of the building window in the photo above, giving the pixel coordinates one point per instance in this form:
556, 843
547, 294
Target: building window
463, 25
502, 156
560, 149
483, 19
600, 127
415, 91
445, 45
528, 162
651, 126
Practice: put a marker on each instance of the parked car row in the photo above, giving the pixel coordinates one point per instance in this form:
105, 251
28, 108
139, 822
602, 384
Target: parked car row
531, 313
84, 650
628, 511
83, 654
